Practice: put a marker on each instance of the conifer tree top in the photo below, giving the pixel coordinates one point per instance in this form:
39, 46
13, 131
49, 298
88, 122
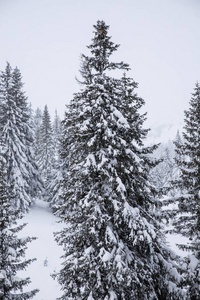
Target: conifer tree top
101, 49
102, 41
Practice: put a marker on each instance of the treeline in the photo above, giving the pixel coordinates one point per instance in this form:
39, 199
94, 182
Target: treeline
47, 146
29, 162
20, 182
104, 184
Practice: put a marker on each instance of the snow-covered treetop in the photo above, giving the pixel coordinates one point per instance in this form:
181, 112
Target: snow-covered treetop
101, 49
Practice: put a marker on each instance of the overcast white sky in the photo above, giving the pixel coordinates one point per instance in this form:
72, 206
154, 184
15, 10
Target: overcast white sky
160, 39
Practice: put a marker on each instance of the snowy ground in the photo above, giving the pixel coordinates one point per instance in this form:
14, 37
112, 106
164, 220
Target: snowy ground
41, 224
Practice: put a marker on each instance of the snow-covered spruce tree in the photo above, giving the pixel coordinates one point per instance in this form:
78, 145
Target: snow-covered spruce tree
34, 181
55, 187
12, 248
166, 171
175, 183
57, 133
179, 158
54, 196
113, 246
46, 154
187, 215
37, 121
16, 136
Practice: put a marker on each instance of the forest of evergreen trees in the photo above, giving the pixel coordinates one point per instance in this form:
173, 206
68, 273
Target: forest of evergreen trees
114, 195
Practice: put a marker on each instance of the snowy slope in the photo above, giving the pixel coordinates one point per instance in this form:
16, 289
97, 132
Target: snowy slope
41, 224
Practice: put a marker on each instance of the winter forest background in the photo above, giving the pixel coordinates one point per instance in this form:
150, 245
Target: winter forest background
99, 187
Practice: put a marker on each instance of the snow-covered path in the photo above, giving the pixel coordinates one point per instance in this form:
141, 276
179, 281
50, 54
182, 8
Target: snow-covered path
41, 223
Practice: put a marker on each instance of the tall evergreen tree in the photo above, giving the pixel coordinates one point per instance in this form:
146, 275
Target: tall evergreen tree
16, 135
46, 155
34, 179
166, 171
37, 121
175, 184
12, 248
57, 133
187, 216
55, 187
113, 244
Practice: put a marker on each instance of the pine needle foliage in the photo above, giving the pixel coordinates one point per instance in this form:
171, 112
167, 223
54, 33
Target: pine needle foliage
12, 248
46, 154
17, 137
187, 214
113, 244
